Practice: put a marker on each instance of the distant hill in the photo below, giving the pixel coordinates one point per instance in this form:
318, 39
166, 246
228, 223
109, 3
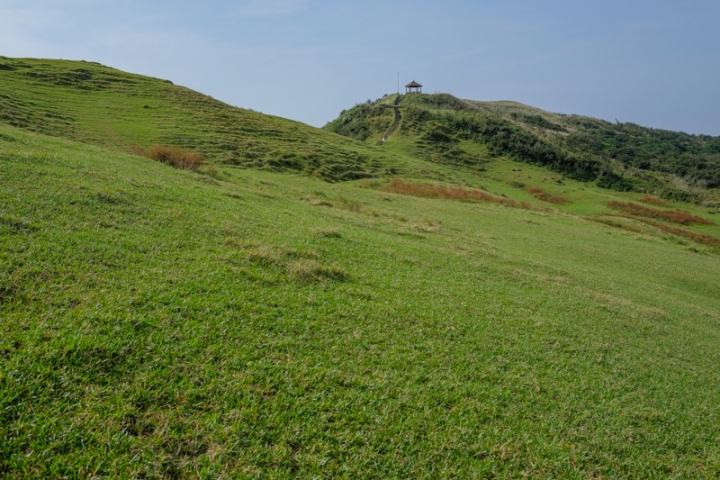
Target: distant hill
621, 156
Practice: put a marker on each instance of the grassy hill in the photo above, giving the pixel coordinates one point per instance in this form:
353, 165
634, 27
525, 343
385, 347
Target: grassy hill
91, 103
621, 156
468, 319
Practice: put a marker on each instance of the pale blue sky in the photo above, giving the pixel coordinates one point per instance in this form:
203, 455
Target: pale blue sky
656, 63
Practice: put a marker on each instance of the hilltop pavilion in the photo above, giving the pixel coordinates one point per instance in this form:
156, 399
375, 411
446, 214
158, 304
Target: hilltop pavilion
413, 87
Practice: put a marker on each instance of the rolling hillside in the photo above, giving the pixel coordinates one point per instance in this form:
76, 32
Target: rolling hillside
99, 105
623, 157
444, 315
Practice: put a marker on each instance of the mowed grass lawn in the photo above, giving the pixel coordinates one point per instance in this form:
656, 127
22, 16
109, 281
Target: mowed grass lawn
158, 323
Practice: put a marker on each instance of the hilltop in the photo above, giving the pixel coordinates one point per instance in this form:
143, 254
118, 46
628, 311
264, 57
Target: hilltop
619, 156
452, 312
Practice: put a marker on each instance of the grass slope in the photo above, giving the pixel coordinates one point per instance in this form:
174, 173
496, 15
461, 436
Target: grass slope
471, 163
623, 157
95, 104
159, 323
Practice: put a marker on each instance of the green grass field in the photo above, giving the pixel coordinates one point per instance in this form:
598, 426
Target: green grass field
254, 323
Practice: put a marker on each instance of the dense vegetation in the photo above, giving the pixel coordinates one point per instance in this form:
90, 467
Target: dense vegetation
618, 156
696, 157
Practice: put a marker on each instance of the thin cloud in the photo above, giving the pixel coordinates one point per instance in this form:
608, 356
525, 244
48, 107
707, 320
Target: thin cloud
271, 8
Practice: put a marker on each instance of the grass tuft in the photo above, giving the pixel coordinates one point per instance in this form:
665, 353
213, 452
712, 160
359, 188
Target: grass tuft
327, 233
312, 271
542, 195
427, 225
209, 170
349, 205
182, 158
265, 256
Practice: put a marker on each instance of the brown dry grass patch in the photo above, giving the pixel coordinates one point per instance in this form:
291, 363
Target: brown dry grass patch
676, 216
616, 224
542, 195
697, 237
182, 158
653, 201
452, 193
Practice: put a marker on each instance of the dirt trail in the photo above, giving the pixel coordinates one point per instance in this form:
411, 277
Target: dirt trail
392, 127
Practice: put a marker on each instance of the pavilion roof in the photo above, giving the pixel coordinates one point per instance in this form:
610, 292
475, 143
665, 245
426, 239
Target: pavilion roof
413, 84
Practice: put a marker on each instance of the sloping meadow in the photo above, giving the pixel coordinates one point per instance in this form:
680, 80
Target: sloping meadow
162, 323
91, 103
